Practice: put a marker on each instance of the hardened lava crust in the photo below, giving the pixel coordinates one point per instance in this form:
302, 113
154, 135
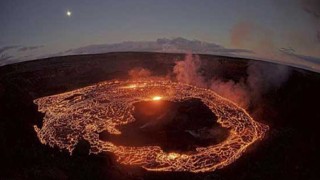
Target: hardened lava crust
86, 112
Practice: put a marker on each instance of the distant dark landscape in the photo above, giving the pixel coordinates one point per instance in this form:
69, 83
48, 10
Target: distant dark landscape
288, 151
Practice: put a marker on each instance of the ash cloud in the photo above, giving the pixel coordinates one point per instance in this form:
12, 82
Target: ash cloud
247, 92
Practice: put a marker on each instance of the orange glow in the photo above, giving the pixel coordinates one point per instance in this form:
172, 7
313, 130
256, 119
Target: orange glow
132, 86
74, 115
172, 156
156, 98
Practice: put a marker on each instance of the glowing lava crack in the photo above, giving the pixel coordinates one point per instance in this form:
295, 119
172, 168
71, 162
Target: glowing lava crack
84, 113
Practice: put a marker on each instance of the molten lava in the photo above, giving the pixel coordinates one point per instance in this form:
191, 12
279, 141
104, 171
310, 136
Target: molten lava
157, 98
86, 112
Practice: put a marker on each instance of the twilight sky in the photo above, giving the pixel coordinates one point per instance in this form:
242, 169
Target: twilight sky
287, 31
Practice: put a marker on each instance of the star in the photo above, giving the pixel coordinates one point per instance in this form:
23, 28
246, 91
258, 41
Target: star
69, 13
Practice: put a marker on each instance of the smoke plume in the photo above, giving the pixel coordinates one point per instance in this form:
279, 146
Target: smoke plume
187, 71
237, 92
247, 92
137, 73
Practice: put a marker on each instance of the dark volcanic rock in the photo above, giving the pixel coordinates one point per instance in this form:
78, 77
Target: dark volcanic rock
82, 148
174, 126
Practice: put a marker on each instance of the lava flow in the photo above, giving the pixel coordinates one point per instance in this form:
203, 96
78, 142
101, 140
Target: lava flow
86, 112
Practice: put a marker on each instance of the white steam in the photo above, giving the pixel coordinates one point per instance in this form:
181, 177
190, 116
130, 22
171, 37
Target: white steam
248, 91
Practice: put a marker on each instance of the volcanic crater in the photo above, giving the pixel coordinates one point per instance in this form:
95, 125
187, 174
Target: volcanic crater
174, 126
158, 125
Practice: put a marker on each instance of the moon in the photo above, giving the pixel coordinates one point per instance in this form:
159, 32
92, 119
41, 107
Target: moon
68, 13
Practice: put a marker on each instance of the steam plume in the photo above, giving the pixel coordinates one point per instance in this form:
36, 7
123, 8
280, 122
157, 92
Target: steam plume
187, 71
137, 73
260, 79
